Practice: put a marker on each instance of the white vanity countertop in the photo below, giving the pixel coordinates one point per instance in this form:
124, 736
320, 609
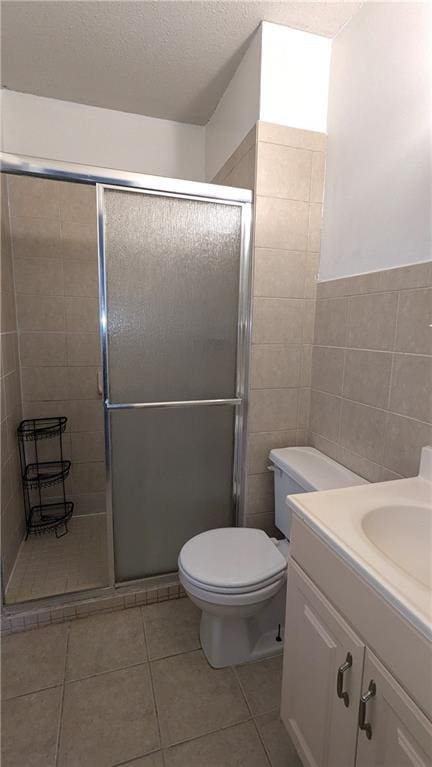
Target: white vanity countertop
384, 531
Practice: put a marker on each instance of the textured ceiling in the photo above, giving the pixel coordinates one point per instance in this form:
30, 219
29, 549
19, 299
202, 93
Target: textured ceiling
163, 58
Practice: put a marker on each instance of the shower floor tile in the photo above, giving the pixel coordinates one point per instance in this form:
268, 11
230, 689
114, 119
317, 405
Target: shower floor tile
47, 565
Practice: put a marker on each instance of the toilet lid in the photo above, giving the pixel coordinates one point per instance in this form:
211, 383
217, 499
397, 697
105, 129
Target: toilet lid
231, 558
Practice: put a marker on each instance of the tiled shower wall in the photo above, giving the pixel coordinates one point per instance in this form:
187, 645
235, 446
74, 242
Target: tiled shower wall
54, 246
285, 168
12, 517
372, 371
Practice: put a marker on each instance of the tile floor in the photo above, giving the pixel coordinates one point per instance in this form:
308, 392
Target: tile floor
133, 688
47, 565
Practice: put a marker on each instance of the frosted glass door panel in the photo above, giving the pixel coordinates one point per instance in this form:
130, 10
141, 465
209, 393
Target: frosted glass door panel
171, 479
172, 297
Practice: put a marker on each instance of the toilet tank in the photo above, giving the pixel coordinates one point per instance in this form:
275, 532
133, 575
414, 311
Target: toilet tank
303, 470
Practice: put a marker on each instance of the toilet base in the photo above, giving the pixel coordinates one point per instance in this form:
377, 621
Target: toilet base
230, 641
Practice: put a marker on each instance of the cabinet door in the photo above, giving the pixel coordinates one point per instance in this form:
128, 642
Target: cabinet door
317, 643
400, 734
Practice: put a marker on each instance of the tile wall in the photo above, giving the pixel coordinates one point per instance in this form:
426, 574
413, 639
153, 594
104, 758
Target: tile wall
53, 226
285, 168
371, 402
12, 518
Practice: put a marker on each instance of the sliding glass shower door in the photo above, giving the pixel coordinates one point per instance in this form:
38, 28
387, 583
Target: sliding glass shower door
175, 318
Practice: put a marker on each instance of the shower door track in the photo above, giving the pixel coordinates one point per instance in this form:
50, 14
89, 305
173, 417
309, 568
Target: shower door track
137, 182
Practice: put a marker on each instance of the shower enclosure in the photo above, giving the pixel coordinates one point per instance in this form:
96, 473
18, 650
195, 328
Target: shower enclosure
174, 296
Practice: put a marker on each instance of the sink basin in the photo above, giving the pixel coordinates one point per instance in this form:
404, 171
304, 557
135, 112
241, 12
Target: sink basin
403, 533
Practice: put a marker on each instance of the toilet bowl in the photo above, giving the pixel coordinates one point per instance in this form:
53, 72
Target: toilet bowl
237, 575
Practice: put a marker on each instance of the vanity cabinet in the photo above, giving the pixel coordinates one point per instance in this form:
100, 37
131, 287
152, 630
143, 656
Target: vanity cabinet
327, 669
401, 736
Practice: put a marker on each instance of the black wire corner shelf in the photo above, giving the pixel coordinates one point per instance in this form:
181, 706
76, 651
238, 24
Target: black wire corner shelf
37, 474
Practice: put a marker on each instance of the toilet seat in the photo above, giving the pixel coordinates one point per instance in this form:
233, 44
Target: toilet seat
249, 589
232, 561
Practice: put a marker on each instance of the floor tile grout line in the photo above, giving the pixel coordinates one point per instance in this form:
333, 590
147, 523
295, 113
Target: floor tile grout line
155, 706
60, 721
106, 671
261, 739
206, 734
135, 759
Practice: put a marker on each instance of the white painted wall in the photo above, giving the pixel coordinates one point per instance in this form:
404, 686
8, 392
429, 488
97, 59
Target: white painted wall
294, 77
377, 209
237, 111
63, 130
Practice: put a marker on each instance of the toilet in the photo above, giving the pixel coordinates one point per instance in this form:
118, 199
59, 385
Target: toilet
237, 575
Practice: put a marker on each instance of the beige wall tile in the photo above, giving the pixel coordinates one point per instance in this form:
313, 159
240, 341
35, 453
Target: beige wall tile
314, 229
44, 383
330, 322
362, 430
37, 197
36, 237
243, 173
281, 134
6, 274
279, 273
34, 313
40, 349
83, 349
283, 171
81, 278
404, 439
89, 503
88, 446
317, 177
260, 444
407, 277
367, 377
272, 409
311, 274
46, 410
12, 395
82, 383
43, 276
281, 223
371, 321
326, 446
82, 314
264, 522
304, 404
306, 365
77, 202
79, 241
275, 366
411, 388
9, 352
89, 477
308, 321
260, 495
246, 145
86, 415
8, 312
414, 322
327, 369
325, 414
373, 472
277, 320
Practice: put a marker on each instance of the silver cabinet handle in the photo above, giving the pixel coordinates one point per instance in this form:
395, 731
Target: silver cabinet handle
363, 724
340, 679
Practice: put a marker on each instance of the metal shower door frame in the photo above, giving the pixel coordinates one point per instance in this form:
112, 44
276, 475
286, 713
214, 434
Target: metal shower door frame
203, 193
23, 165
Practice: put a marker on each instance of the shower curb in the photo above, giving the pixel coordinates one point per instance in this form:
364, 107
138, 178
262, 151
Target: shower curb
36, 617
